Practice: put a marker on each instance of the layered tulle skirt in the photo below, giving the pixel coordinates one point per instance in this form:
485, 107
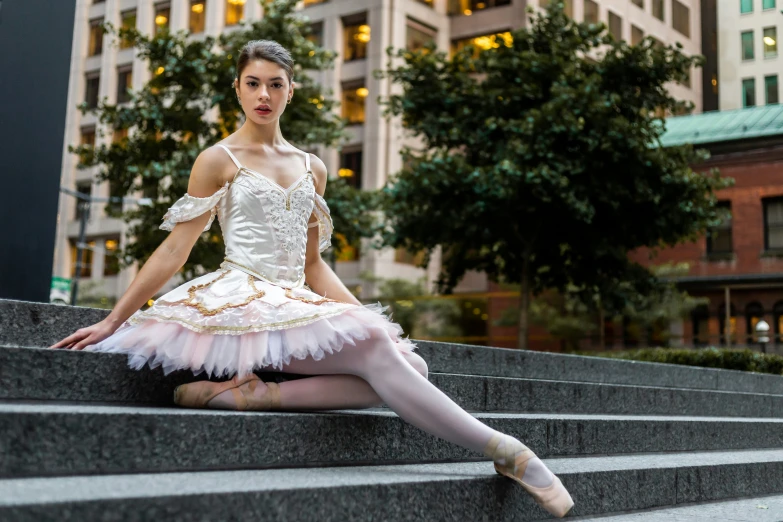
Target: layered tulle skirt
228, 322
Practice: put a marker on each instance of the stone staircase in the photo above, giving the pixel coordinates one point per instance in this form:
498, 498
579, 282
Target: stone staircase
82, 437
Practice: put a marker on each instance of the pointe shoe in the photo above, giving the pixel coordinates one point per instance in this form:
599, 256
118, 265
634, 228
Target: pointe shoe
554, 498
198, 394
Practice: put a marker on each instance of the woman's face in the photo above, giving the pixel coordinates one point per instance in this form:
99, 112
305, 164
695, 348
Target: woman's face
264, 91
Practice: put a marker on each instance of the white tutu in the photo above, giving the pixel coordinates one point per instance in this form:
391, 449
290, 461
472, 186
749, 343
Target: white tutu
228, 322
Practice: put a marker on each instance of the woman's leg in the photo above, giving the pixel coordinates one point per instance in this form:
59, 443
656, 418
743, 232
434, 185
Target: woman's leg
414, 398
325, 392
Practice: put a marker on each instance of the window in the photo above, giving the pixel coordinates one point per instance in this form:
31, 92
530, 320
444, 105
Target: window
111, 262
771, 89
773, 223
484, 42
418, 35
355, 38
127, 21
124, 82
777, 314
82, 187
113, 208
95, 44
198, 16
615, 26
162, 18
657, 9
235, 10
770, 42
87, 136
768, 4
749, 92
317, 34
637, 35
719, 238
746, 6
638, 3
467, 7
701, 325
591, 12
747, 45
91, 91
87, 252
353, 102
568, 6
118, 135
722, 323
351, 167
313, 2
428, 3
754, 312
681, 18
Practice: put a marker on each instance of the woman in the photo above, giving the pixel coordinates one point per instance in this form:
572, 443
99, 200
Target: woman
255, 311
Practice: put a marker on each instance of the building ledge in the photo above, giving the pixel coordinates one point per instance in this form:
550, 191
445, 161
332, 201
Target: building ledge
772, 253
719, 256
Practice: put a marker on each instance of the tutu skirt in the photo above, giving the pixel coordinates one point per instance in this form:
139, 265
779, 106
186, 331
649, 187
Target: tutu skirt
228, 322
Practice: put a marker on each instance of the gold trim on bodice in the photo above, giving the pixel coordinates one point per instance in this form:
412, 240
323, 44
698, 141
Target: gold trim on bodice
190, 301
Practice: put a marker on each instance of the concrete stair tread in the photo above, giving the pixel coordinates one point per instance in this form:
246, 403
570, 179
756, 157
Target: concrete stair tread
18, 492
756, 509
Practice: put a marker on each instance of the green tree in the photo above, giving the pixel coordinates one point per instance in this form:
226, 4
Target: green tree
191, 79
541, 165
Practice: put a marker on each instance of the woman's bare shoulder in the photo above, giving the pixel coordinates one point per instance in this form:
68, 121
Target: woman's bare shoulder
319, 173
211, 170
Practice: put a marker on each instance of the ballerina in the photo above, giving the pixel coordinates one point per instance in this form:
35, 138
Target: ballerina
256, 312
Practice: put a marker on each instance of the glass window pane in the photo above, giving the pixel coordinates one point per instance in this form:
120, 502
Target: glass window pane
749, 92
355, 39
770, 40
95, 45
681, 18
417, 36
657, 8
198, 12
615, 26
351, 168
747, 45
771, 89
638, 3
746, 6
353, 103
591, 12
91, 91
124, 82
768, 4
162, 18
637, 35
128, 22
235, 9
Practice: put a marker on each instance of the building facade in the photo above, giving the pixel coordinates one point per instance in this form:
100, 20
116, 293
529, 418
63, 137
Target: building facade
359, 32
749, 65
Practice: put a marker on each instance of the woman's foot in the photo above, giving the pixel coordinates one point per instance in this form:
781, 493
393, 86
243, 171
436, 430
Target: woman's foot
516, 461
246, 393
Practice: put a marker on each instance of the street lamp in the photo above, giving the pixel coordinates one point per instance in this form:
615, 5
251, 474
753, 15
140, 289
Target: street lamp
84, 203
762, 333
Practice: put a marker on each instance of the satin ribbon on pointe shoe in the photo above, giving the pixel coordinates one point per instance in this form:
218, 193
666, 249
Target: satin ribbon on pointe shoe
198, 394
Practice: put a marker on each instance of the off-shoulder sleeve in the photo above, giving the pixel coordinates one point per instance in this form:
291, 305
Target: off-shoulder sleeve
190, 207
324, 223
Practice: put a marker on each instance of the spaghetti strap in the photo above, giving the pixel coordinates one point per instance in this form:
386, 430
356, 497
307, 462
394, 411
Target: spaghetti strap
233, 158
307, 162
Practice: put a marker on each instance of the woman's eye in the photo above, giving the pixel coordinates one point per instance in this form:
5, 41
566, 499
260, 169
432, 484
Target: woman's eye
277, 85
252, 84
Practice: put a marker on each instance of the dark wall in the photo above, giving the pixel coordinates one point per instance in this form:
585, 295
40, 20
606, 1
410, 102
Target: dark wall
709, 48
35, 57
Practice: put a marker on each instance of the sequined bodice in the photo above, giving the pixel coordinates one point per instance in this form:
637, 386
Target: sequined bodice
265, 225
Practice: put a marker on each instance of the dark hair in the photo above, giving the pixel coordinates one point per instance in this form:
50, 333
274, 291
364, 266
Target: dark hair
265, 50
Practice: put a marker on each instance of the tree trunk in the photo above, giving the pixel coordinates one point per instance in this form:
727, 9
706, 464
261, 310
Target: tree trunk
524, 305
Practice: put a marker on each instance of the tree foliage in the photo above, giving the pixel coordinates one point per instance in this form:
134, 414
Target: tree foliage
190, 80
541, 161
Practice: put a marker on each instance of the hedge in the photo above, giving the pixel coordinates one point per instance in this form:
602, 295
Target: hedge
728, 359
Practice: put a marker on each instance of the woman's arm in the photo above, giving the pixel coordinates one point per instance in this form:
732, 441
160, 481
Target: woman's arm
163, 263
319, 275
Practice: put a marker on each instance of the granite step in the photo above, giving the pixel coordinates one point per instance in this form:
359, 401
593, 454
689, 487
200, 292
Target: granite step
756, 509
47, 440
444, 491
28, 324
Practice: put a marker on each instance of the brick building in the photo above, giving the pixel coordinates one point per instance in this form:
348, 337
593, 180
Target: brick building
739, 263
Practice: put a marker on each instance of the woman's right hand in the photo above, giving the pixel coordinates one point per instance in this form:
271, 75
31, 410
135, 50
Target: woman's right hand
84, 337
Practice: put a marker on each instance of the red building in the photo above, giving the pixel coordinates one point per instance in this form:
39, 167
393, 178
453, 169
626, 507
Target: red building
738, 265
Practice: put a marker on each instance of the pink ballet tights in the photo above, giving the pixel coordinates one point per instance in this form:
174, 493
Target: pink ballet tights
378, 372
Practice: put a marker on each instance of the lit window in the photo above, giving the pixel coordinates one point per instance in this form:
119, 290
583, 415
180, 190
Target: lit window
351, 168
418, 35
111, 262
353, 103
591, 12
96, 38
128, 22
87, 252
615, 26
754, 312
747, 45
773, 223
485, 42
92, 85
681, 18
162, 18
657, 9
749, 92
119, 134
198, 13
637, 35
355, 41
88, 136
124, 83
771, 89
770, 42
235, 10
467, 7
